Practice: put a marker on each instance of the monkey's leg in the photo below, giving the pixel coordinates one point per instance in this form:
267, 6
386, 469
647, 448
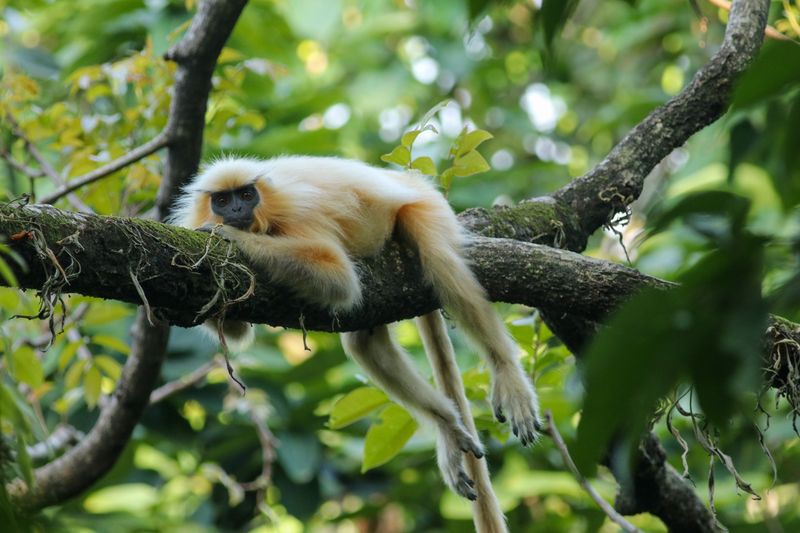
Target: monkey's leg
488, 517
377, 353
431, 225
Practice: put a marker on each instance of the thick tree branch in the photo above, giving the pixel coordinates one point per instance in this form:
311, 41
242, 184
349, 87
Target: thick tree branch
79, 468
570, 215
176, 269
617, 181
609, 188
181, 272
84, 464
512, 271
196, 55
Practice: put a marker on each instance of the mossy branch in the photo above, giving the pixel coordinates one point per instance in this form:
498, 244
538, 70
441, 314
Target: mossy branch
189, 276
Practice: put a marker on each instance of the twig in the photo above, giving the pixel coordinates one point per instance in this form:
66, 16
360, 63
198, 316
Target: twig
268, 445
58, 440
582, 481
183, 383
28, 171
156, 143
45, 166
148, 310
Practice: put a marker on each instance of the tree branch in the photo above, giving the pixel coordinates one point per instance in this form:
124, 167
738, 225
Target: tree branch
84, 464
79, 468
609, 188
561, 446
156, 143
176, 269
617, 181
567, 217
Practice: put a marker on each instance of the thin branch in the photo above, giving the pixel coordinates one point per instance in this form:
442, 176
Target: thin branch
45, 166
184, 382
156, 143
61, 438
268, 444
561, 446
24, 169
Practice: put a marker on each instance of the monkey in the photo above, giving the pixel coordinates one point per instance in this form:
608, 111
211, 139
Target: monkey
307, 220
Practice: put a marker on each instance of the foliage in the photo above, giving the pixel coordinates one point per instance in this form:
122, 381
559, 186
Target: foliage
543, 94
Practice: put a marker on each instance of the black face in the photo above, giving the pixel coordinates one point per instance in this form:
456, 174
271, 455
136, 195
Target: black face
236, 206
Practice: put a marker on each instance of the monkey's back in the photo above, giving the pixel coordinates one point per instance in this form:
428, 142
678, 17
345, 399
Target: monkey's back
359, 200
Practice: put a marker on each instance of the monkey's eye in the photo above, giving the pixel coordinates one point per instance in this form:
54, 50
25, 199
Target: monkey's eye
247, 196
221, 200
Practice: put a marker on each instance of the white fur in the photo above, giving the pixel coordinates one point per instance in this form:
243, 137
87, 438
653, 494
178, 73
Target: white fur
316, 217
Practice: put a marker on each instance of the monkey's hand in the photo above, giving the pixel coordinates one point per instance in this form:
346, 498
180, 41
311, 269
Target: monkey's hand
216, 229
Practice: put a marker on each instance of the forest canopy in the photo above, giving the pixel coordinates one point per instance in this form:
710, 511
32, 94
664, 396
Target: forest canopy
658, 317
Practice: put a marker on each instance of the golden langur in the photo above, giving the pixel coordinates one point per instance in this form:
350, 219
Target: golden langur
305, 220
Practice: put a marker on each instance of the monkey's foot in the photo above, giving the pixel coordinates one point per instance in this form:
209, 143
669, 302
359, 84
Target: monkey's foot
467, 443
449, 458
513, 398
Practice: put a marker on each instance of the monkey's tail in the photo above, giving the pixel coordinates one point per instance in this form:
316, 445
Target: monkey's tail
487, 516
432, 226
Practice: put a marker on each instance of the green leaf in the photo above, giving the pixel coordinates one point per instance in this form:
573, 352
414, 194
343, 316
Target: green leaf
724, 205
11, 411
775, 71
24, 461
471, 141
554, 15
743, 137
399, 156
26, 366
7, 274
477, 7
787, 178
387, 437
432, 111
109, 366
409, 137
74, 374
469, 164
709, 330
355, 405
91, 386
446, 179
425, 165
129, 498
67, 354
300, 455
626, 373
112, 343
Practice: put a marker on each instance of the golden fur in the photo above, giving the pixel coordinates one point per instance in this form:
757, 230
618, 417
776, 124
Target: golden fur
315, 217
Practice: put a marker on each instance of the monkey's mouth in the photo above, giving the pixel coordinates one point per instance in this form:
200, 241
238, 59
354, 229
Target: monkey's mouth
239, 223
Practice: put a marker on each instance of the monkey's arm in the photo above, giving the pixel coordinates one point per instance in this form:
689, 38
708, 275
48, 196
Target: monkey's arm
318, 268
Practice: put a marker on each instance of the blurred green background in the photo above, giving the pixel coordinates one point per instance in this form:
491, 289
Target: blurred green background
85, 81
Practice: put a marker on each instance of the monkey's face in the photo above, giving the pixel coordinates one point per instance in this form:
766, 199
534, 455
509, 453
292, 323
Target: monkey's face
236, 206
